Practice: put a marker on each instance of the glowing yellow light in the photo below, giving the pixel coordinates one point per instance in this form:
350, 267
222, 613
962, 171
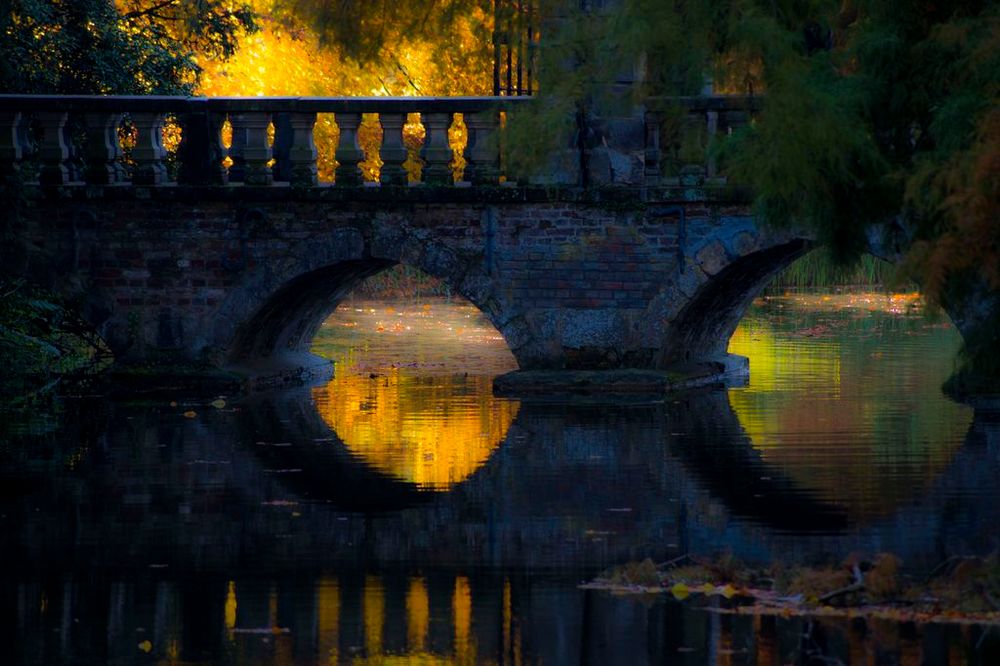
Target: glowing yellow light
328, 620
373, 609
461, 604
309, 69
417, 615
230, 610
414, 428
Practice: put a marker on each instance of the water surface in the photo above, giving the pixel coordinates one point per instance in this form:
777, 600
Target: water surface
403, 514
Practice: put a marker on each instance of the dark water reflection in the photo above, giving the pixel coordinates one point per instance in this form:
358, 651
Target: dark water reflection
252, 532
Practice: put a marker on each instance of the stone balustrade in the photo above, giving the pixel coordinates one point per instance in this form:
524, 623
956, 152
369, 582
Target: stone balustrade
63, 140
696, 124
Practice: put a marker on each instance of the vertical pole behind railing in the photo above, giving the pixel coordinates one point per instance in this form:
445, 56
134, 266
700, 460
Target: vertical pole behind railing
149, 153
282, 169
482, 152
102, 149
393, 151
652, 156
201, 151
302, 152
73, 164
349, 153
12, 150
53, 151
437, 153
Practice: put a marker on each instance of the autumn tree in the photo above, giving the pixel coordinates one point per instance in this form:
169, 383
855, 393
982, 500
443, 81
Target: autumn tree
124, 47
874, 114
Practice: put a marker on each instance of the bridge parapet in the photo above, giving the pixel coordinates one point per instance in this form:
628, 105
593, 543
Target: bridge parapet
65, 140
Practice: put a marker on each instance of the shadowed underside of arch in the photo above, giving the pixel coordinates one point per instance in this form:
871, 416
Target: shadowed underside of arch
289, 319
704, 325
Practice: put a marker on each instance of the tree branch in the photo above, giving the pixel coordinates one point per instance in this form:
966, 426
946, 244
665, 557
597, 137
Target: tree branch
150, 11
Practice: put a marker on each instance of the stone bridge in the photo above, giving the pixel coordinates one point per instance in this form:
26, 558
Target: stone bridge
229, 255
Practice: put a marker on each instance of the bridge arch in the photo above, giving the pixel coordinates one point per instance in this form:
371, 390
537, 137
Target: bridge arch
703, 326
697, 311
278, 307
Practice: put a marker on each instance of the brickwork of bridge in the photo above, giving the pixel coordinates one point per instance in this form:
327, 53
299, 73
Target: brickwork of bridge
177, 275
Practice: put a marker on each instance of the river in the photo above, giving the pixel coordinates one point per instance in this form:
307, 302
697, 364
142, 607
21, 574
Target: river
400, 513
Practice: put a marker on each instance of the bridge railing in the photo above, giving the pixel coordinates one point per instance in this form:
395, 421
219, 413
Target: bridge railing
682, 133
61, 140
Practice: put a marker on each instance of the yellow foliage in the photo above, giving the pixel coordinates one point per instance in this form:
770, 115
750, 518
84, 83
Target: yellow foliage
286, 58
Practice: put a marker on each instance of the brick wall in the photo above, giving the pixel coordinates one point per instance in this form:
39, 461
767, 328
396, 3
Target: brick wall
186, 273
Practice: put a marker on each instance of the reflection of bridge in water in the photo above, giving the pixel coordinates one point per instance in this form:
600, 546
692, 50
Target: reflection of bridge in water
289, 530
438, 617
571, 487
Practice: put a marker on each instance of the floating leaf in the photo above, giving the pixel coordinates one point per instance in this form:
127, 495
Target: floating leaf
146, 646
218, 404
190, 414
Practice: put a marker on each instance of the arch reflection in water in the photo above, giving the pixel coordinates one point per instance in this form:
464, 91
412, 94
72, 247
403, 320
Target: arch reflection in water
844, 395
412, 390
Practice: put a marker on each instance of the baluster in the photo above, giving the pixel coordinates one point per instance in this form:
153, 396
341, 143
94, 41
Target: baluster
12, 146
437, 154
102, 149
201, 151
482, 152
149, 152
237, 147
251, 130
652, 172
349, 153
53, 151
393, 152
302, 152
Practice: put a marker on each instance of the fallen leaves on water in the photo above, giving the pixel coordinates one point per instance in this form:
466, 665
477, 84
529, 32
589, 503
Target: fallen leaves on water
146, 646
190, 414
680, 591
963, 590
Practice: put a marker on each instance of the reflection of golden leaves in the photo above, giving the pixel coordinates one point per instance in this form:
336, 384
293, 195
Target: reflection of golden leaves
431, 432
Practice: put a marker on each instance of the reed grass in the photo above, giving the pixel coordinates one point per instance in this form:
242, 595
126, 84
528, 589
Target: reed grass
401, 282
817, 270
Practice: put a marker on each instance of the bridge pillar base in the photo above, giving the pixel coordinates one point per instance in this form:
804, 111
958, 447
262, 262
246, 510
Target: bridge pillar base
197, 380
625, 384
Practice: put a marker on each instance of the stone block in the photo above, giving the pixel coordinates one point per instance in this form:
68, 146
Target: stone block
592, 328
712, 258
744, 243
517, 333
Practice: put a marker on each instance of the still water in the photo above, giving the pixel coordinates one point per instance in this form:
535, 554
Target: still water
403, 514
